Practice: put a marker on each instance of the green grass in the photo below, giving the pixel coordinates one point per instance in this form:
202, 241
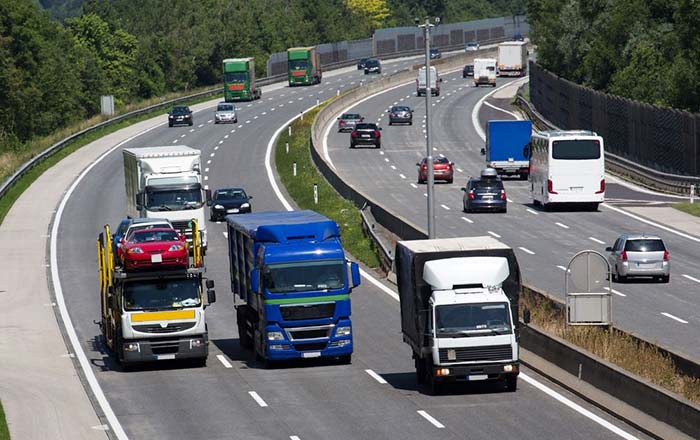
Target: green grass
4, 432
690, 208
23, 183
330, 203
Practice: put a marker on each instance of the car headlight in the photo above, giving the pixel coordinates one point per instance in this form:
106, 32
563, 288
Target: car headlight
218, 207
176, 247
343, 331
245, 205
275, 336
136, 250
170, 116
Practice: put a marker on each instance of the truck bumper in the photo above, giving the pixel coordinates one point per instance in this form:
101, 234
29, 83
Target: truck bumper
468, 373
149, 350
287, 351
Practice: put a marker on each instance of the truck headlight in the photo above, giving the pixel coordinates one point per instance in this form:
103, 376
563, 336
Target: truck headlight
275, 336
343, 331
131, 346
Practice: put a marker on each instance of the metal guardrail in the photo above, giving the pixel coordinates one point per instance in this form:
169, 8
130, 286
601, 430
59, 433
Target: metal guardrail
648, 177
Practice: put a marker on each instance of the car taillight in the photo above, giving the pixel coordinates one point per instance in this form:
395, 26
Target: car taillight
623, 255
471, 195
602, 187
353, 134
342, 122
424, 167
666, 256
376, 133
550, 187
503, 194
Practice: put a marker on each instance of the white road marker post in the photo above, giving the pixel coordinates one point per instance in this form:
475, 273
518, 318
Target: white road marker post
294, 169
315, 194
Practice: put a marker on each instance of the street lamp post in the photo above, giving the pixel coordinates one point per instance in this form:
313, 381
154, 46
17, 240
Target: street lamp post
428, 142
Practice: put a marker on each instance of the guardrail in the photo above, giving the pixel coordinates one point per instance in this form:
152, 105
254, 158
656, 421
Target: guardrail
669, 408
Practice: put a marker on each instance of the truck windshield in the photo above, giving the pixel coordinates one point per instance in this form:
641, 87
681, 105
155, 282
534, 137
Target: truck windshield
298, 64
304, 276
162, 294
463, 320
236, 77
173, 200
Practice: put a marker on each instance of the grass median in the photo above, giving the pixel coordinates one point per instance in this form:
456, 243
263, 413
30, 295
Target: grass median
614, 346
4, 432
689, 208
330, 203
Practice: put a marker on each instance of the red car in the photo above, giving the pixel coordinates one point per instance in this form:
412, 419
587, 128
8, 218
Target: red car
443, 169
154, 248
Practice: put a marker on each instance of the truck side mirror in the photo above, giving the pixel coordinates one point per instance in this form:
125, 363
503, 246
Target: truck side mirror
483, 151
355, 274
526, 316
250, 197
210, 284
440, 80
255, 281
526, 151
211, 296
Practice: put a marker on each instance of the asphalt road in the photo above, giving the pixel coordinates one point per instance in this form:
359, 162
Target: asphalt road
545, 241
234, 397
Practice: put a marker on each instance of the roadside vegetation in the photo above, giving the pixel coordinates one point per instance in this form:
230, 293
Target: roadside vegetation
4, 432
690, 208
330, 203
614, 346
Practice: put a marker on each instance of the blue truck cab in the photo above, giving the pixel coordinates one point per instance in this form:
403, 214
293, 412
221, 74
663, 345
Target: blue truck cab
291, 285
505, 141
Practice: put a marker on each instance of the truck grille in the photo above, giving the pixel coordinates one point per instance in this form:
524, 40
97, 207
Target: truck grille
307, 311
309, 334
171, 328
314, 346
470, 354
167, 347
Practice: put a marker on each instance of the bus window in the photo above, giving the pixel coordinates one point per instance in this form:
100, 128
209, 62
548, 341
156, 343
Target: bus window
580, 149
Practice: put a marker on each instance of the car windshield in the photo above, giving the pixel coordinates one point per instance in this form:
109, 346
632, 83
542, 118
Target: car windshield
372, 63
472, 44
230, 194
236, 77
304, 276
463, 320
140, 227
180, 110
298, 64
487, 184
176, 199
225, 108
366, 126
148, 235
645, 245
162, 294
441, 160
579, 149
400, 109
351, 116
434, 51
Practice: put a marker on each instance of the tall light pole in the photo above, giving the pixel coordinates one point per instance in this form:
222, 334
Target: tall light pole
426, 25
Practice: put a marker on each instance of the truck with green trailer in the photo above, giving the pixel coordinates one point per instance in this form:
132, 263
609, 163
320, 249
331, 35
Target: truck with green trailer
239, 80
304, 66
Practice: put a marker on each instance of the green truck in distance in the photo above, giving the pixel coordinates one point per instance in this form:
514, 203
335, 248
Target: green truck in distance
304, 66
239, 80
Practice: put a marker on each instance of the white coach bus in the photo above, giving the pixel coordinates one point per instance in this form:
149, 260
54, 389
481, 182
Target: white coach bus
567, 167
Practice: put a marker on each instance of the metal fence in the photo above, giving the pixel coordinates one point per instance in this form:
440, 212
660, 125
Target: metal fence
659, 138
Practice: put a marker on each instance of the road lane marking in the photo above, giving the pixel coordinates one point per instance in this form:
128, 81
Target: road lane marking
200, 126
175, 141
614, 291
257, 398
477, 108
212, 155
209, 161
596, 240
386, 159
414, 185
226, 137
402, 176
526, 250
561, 225
494, 234
224, 361
649, 222
445, 207
561, 267
431, 419
467, 220
294, 437
393, 167
691, 278
191, 130
376, 377
210, 121
225, 234
460, 170
220, 142
532, 211
675, 318
206, 170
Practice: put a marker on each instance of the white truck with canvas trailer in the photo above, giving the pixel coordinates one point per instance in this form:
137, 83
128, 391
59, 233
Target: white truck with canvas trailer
484, 72
459, 309
512, 58
166, 182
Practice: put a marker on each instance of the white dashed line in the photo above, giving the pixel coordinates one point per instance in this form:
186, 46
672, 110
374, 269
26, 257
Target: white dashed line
200, 126
445, 207
206, 170
233, 131
494, 234
226, 137
206, 178
294, 437
248, 121
212, 155
691, 278
467, 220
386, 159
459, 170
183, 136
561, 225
509, 200
220, 142
224, 361
393, 167
216, 148
191, 130
526, 250
402, 176
255, 117
381, 153
208, 162
175, 141
618, 293
263, 113
375, 376
675, 318
431, 419
257, 398
596, 240
414, 185
532, 211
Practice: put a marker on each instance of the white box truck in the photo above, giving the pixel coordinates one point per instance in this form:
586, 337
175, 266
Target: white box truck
166, 182
484, 71
459, 309
422, 82
512, 58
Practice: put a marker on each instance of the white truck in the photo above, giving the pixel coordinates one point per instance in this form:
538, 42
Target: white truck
422, 82
512, 58
166, 182
459, 309
484, 71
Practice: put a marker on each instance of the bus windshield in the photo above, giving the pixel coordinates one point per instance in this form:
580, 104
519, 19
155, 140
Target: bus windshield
304, 276
298, 64
236, 77
163, 294
579, 149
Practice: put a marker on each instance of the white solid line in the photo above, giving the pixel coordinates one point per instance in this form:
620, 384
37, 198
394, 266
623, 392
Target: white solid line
445, 207
477, 107
526, 250
532, 211
649, 222
561, 267
467, 220
668, 315
596, 240
691, 278
376, 377
561, 225
431, 419
614, 291
224, 361
576, 407
257, 398
294, 437
502, 110
494, 234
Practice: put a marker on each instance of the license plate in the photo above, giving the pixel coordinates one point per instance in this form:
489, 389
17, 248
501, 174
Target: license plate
311, 354
156, 258
488, 197
477, 377
576, 188
165, 357
179, 118
646, 265
232, 211
365, 135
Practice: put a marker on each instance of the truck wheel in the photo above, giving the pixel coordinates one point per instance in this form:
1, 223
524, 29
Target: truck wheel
421, 371
345, 360
511, 383
436, 387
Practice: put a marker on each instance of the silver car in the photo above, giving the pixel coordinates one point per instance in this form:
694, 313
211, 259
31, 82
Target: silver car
639, 255
225, 112
348, 121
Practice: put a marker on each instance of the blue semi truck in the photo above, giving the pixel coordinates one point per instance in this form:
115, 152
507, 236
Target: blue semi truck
505, 141
291, 285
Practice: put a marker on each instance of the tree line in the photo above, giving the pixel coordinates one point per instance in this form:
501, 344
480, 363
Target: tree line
646, 50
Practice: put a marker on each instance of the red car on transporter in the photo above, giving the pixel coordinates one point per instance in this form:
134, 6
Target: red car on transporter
153, 249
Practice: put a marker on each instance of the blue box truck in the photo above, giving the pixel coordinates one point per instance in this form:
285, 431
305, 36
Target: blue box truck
291, 285
505, 141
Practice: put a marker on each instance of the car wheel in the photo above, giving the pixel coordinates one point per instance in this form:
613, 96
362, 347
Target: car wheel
235, 121
191, 123
170, 124
511, 383
352, 145
504, 210
378, 145
666, 278
450, 180
410, 123
391, 123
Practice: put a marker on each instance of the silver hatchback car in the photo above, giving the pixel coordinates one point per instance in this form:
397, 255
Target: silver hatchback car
225, 112
639, 255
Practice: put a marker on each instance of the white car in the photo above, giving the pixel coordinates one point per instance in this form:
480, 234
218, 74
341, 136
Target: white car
472, 46
225, 112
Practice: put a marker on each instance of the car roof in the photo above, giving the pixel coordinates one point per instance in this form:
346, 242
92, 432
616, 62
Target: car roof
640, 236
365, 125
489, 173
142, 231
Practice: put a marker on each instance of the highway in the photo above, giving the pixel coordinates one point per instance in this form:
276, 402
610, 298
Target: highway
545, 241
233, 396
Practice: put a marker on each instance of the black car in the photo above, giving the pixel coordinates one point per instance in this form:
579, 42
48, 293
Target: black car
400, 114
361, 63
518, 37
366, 134
229, 201
435, 54
485, 193
180, 115
468, 70
373, 66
